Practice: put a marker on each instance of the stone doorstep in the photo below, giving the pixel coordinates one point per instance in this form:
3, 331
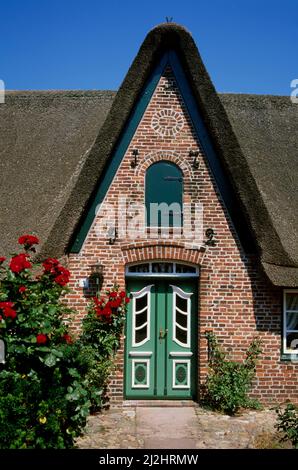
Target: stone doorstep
159, 403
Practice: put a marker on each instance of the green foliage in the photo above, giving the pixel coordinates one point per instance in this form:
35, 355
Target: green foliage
228, 382
100, 339
44, 400
287, 422
50, 382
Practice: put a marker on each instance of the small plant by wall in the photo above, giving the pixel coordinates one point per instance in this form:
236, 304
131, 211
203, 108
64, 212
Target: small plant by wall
228, 382
287, 423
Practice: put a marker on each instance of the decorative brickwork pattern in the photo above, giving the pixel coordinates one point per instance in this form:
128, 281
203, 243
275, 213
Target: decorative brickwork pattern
167, 122
236, 300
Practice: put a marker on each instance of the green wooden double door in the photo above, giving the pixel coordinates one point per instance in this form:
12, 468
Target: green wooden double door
161, 337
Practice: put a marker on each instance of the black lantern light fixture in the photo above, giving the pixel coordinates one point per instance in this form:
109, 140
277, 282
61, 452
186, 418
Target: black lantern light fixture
97, 275
194, 154
112, 235
210, 234
134, 162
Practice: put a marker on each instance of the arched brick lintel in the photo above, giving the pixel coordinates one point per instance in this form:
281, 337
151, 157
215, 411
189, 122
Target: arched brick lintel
166, 155
157, 251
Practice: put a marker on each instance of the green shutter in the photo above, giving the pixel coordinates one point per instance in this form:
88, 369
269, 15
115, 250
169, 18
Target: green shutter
164, 184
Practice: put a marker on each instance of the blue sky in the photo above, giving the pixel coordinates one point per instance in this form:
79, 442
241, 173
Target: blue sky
248, 46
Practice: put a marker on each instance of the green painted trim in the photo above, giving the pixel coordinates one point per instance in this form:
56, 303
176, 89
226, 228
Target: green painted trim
222, 181
119, 153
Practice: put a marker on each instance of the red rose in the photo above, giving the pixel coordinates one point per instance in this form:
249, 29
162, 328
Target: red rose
22, 289
62, 280
50, 265
122, 294
19, 263
106, 312
113, 295
97, 301
41, 338
67, 338
63, 271
2, 259
53, 267
115, 303
9, 312
127, 300
6, 304
7, 309
28, 240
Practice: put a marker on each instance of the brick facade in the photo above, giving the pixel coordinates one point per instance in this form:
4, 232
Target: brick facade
236, 300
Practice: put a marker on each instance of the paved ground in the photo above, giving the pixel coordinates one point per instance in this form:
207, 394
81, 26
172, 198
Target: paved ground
174, 428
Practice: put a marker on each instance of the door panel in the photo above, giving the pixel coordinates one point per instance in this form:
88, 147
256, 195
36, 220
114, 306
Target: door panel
160, 348
140, 340
182, 338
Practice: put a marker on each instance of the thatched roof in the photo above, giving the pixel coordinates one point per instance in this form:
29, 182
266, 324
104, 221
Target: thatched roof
266, 129
55, 145
44, 140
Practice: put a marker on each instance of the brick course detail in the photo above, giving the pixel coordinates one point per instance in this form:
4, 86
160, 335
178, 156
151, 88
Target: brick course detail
236, 300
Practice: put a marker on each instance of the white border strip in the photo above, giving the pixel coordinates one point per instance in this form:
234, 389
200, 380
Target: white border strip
187, 385
134, 362
140, 353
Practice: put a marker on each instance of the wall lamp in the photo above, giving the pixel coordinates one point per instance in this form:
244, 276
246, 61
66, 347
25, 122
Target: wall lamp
210, 234
134, 162
112, 235
195, 154
97, 275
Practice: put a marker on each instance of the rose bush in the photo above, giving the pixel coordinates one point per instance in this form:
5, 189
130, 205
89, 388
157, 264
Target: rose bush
100, 338
50, 380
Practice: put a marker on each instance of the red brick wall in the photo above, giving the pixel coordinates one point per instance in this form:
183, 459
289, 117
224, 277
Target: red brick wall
236, 301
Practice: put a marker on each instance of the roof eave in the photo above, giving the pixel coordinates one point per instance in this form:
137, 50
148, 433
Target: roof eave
281, 276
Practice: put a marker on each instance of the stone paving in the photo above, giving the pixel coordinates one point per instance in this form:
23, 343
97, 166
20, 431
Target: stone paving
174, 428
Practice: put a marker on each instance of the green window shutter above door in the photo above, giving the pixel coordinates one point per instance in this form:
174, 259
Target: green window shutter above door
164, 195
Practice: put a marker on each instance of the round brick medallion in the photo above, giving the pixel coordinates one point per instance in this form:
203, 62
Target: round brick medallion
167, 122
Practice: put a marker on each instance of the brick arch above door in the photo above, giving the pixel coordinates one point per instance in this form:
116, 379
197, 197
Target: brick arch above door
161, 250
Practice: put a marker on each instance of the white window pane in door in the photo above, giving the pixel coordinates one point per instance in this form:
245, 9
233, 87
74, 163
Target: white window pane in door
181, 316
141, 316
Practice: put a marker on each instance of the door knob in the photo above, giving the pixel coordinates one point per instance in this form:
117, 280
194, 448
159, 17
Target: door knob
162, 333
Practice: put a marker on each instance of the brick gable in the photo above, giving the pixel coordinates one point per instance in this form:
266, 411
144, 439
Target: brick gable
236, 301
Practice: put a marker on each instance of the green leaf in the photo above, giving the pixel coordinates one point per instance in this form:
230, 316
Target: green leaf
43, 349
74, 373
50, 360
57, 353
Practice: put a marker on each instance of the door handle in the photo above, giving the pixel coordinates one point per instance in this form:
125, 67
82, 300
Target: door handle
162, 333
